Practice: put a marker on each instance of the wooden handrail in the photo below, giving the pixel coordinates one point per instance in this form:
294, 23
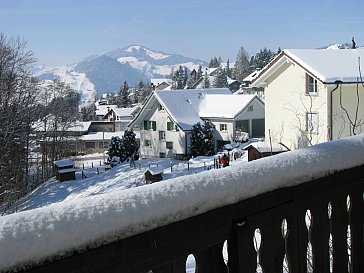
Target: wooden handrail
335, 205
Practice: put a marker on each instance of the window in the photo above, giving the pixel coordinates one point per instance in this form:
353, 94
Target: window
150, 125
311, 85
312, 123
162, 155
147, 143
171, 126
90, 144
169, 145
162, 135
223, 127
251, 108
104, 144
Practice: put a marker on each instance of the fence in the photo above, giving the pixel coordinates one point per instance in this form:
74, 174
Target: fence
313, 227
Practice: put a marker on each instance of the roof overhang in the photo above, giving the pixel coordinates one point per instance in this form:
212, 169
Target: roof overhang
270, 68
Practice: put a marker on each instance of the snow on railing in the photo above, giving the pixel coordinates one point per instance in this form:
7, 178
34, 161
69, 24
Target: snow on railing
58, 229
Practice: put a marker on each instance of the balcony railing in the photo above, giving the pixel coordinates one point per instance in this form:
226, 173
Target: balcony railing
316, 226
313, 227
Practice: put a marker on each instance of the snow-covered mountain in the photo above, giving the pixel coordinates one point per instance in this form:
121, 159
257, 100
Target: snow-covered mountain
105, 72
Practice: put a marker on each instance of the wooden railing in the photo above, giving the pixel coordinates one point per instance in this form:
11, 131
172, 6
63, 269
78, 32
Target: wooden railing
313, 227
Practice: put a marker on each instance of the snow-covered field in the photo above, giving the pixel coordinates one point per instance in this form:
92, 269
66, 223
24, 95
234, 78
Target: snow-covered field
98, 181
92, 213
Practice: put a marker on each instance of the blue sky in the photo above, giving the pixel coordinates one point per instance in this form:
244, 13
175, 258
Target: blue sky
66, 31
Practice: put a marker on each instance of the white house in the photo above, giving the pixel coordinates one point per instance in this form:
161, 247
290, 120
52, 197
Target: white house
167, 117
313, 95
121, 116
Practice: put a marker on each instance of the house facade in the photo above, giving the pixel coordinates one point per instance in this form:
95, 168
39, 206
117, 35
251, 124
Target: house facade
166, 120
313, 96
120, 117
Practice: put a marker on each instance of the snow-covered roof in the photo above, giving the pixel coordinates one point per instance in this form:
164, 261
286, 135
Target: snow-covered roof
78, 126
252, 76
101, 135
156, 82
184, 106
81, 126
124, 112
63, 163
155, 170
35, 235
230, 108
327, 65
101, 110
264, 147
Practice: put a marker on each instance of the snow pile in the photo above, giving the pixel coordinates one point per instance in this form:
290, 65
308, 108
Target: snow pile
32, 236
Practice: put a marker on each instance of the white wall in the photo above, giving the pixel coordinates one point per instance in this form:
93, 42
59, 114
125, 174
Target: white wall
342, 126
286, 105
159, 146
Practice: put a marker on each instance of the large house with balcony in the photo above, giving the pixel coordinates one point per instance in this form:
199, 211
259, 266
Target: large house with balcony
313, 95
166, 119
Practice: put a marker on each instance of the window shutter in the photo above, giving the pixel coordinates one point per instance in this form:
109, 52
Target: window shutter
154, 125
145, 125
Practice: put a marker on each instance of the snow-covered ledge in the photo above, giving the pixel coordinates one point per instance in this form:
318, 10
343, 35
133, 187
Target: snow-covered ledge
35, 235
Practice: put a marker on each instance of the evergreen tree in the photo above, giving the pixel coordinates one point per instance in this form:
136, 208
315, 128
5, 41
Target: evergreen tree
124, 147
199, 73
242, 65
129, 144
261, 59
202, 139
215, 62
114, 148
227, 69
206, 81
197, 140
180, 77
220, 80
208, 130
185, 77
123, 100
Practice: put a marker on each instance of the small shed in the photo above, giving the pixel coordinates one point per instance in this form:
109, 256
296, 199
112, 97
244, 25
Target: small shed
65, 170
153, 174
261, 149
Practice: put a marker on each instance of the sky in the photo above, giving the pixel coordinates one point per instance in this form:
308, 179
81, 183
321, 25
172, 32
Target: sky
61, 32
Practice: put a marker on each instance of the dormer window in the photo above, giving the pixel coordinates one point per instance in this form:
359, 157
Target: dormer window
311, 85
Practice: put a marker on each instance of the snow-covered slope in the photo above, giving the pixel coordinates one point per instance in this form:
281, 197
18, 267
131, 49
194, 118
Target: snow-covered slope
105, 72
77, 80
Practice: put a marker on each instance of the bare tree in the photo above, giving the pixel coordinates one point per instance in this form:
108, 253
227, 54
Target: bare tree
18, 92
241, 67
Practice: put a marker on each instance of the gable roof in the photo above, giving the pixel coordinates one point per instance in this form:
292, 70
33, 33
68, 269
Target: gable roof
123, 112
327, 65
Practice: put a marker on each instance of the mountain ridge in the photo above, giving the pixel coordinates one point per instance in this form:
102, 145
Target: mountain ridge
105, 72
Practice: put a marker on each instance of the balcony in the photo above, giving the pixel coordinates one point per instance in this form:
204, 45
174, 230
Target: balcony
299, 211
